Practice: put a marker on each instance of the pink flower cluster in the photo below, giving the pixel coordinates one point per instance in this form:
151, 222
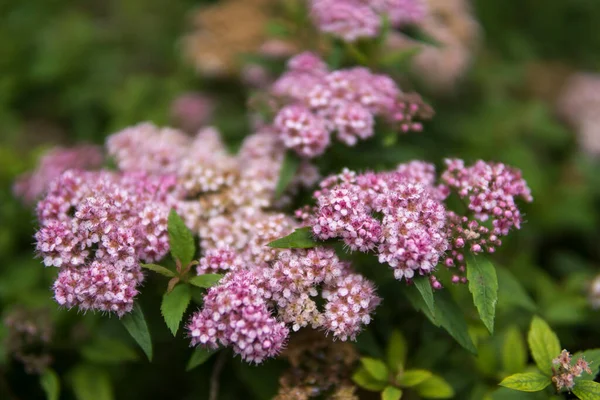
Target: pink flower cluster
351, 20
565, 373
95, 226
29, 187
279, 286
346, 102
402, 217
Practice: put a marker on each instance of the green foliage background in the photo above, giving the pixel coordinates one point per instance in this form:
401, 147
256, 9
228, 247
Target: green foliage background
73, 71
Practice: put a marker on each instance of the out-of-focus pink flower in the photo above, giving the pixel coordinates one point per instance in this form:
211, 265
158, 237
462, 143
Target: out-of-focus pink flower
191, 111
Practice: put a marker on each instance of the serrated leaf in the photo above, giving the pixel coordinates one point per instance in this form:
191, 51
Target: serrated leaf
135, 323
301, 238
174, 305
587, 390
391, 393
424, 287
364, 380
413, 377
108, 351
510, 291
593, 358
526, 382
199, 357
205, 280
181, 239
417, 301
90, 383
451, 318
51, 384
483, 284
159, 269
289, 167
376, 368
435, 388
396, 351
544, 344
514, 351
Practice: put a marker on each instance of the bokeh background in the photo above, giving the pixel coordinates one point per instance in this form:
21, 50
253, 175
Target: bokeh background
513, 81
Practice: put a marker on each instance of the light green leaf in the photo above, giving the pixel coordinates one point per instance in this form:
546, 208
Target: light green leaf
199, 357
376, 368
205, 280
451, 318
50, 383
135, 323
159, 269
289, 167
483, 284
587, 390
90, 383
593, 358
435, 388
526, 382
364, 379
181, 239
544, 344
301, 238
514, 351
396, 351
391, 393
511, 292
413, 377
424, 287
108, 351
174, 305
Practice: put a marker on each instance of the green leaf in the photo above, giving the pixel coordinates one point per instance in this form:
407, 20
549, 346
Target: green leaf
50, 383
435, 388
511, 292
424, 287
376, 368
587, 390
174, 305
514, 352
199, 357
483, 284
181, 239
450, 317
544, 344
391, 393
159, 269
301, 238
417, 301
396, 351
135, 323
289, 167
108, 351
91, 383
593, 358
526, 382
364, 379
418, 34
413, 377
205, 280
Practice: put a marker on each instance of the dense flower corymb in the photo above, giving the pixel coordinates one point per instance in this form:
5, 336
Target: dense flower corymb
565, 372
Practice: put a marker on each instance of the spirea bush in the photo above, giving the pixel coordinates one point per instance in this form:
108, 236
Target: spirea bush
288, 261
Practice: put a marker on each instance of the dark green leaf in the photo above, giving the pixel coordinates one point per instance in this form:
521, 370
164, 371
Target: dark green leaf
526, 382
301, 238
159, 269
289, 167
544, 344
90, 383
50, 383
435, 388
417, 301
450, 317
205, 280
424, 287
511, 292
396, 351
108, 351
391, 393
174, 305
418, 34
135, 323
376, 368
364, 380
514, 351
483, 284
199, 357
587, 390
181, 239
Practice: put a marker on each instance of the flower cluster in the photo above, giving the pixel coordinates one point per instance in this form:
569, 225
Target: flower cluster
29, 187
565, 372
402, 217
351, 20
320, 102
